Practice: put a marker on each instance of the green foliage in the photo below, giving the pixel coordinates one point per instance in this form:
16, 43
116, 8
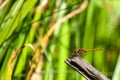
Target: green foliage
28, 21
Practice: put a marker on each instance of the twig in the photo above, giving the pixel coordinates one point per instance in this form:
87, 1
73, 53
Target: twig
85, 69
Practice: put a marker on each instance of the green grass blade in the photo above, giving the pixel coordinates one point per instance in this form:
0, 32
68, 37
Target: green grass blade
116, 75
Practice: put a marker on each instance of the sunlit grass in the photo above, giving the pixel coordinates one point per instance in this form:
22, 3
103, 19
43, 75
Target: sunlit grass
24, 22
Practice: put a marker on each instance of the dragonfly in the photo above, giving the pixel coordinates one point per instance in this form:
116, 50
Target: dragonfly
82, 50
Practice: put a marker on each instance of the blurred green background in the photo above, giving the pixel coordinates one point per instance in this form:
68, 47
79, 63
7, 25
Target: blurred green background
31, 21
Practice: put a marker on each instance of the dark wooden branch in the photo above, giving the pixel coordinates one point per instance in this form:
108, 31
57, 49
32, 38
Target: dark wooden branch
85, 69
